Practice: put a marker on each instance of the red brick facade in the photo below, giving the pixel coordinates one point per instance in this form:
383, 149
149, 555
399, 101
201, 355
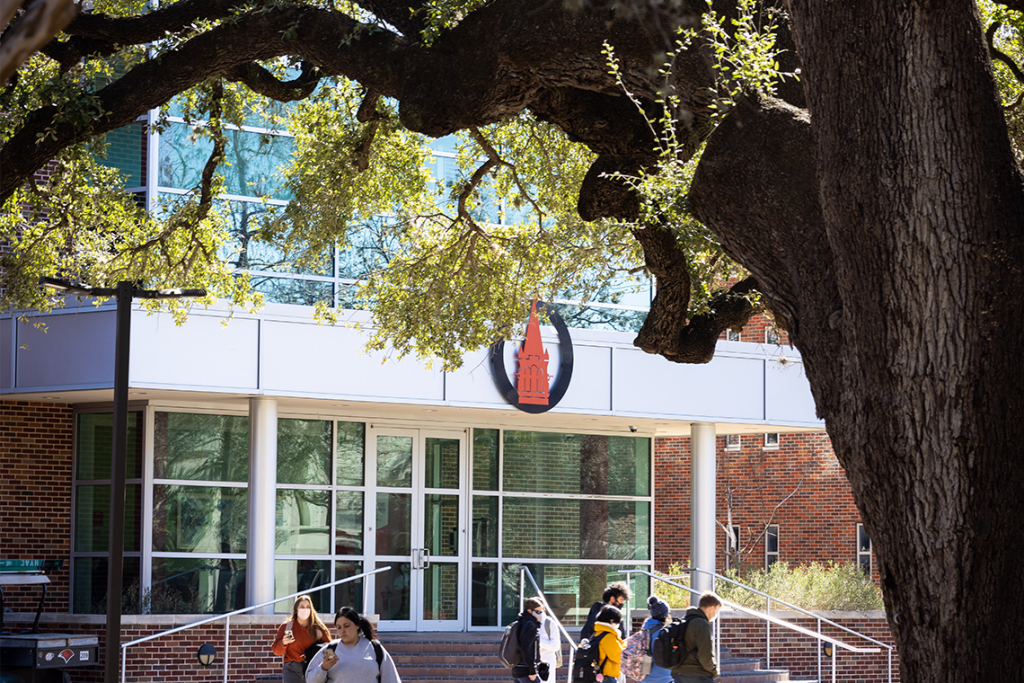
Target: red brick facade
35, 495
797, 485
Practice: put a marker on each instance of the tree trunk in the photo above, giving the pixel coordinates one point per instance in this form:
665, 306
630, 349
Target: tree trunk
899, 269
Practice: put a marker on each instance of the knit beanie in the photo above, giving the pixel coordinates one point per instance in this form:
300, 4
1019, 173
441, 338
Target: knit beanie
659, 608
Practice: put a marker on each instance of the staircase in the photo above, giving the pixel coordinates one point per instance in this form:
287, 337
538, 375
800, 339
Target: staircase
438, 657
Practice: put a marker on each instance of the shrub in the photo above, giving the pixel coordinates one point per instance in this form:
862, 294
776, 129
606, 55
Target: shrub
815, 587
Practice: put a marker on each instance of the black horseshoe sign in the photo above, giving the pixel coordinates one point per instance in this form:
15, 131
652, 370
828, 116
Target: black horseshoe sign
562, 379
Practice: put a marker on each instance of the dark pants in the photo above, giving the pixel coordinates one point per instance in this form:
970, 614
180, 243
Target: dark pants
293, 673
691, 678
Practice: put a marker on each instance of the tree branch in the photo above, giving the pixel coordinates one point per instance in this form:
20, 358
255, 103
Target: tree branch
260, 80
40, 22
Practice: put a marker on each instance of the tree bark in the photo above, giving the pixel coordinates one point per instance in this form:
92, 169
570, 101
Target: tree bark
913, 232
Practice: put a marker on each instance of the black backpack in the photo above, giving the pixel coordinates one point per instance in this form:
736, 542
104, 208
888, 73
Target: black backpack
509, 652
587, 664
669, 649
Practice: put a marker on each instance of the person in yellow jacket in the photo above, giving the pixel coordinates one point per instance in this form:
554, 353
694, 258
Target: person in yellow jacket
611, 645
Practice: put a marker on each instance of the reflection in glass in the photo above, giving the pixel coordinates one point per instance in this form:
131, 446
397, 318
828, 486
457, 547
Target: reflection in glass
199, 519
485, 459
348, 539
125, 152
441, 463
94, 446
569, 529
91, 586
394, 523
251, 161
303, 522
247, 247
197, 585
441, 592
484, 594
593, 464
485, 526
92, 518
303, 452
391, 596
441, 525
394, 461
351, 449
294, 576
350, 593
570, 588
201, 447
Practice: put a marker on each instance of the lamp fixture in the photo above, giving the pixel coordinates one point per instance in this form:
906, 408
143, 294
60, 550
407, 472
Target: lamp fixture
207, 653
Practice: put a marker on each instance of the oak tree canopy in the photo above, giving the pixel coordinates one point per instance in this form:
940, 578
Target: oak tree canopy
860, 162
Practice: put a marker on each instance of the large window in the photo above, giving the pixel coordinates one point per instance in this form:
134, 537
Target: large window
200, 512
574, 508
91, 519
321, 501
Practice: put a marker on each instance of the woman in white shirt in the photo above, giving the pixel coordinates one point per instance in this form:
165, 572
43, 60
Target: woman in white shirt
550, 644
355, 657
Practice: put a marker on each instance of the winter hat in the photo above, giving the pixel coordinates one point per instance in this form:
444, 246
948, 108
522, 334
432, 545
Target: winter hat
659, 608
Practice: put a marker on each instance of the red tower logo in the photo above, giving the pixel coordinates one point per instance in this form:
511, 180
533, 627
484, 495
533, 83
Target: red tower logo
532, 377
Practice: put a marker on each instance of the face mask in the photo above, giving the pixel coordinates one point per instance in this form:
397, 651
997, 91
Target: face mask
303, 613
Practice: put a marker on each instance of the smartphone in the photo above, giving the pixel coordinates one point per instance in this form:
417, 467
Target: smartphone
288, 627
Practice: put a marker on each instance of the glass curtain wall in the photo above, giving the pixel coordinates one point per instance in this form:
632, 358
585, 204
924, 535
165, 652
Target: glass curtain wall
253, 192
574, 508
91, 518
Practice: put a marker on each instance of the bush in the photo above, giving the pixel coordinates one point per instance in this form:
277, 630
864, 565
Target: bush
815, 587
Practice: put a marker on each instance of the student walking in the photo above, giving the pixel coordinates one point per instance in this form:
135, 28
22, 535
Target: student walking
530, 667
301, 631
661, 614
615, 595
700, 665
609, 623
355, 657
550, 644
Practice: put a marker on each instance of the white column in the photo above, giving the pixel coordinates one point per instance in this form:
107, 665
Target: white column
259, 557
702, 505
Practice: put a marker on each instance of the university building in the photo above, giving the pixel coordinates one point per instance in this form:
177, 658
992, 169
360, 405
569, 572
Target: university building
270, 453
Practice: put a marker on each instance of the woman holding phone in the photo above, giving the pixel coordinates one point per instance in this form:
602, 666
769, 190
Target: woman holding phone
355, 657
301, 631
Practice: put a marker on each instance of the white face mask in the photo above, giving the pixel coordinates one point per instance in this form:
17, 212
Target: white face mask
303, 613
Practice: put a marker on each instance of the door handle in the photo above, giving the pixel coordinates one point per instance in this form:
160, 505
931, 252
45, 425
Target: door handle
424, 559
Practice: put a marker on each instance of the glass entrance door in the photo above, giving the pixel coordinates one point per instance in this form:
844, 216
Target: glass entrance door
418, 528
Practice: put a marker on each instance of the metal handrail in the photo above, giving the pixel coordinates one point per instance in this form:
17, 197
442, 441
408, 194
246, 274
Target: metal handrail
524, 571
227, 619
775, 620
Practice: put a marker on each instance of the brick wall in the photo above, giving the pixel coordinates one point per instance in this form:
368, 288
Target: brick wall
800, 486
745, 637
35, 495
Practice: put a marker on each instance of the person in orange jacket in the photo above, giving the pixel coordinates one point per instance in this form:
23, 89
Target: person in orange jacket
611, 646
302, 630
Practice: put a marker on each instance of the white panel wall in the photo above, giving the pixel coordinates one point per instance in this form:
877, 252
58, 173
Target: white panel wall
303, 358
472, 384
284, 353
74, 350
6, 354
788, 393
202, 352
727, 388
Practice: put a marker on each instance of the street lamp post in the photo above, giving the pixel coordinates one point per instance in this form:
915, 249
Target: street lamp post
125, 292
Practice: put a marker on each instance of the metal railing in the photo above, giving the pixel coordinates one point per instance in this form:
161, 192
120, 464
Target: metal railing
227, 618
524, 573
766, 616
